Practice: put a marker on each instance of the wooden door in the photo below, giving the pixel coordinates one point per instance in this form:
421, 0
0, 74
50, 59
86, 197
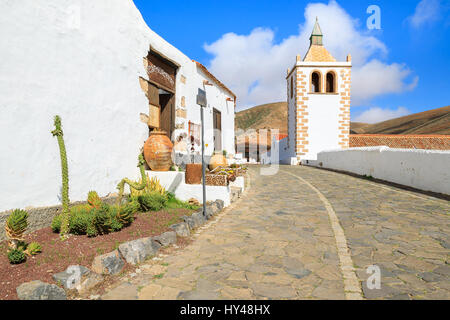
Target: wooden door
217, 125
167, 102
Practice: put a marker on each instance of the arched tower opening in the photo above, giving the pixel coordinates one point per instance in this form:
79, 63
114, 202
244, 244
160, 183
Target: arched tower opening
331, 82
316, 85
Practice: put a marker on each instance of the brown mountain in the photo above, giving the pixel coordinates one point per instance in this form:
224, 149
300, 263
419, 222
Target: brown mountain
274, 115
436, 121
266, 116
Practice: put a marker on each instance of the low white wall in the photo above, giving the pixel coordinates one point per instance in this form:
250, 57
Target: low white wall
238, 183
427, 170
173, 181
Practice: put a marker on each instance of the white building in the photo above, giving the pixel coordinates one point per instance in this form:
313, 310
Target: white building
318, 90
89, 62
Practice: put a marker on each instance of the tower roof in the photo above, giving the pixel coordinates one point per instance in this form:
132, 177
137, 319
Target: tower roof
317, 31
317, 51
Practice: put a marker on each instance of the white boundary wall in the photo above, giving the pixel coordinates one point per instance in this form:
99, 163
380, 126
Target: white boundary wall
427, 170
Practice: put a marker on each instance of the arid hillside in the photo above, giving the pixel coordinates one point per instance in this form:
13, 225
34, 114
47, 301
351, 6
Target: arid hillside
436, 121
266, 116
274, 115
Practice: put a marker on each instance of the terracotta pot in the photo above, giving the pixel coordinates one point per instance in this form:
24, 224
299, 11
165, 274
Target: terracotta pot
158, 151
217, 160
193, 173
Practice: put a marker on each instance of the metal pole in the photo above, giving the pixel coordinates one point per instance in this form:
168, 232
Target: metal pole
203, 163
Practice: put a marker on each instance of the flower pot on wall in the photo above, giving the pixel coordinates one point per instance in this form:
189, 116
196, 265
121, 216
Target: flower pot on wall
217, 160
193, 173
158, 151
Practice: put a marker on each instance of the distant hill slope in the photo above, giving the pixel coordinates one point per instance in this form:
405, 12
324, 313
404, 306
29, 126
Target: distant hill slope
274, 115
435, 121
266, 116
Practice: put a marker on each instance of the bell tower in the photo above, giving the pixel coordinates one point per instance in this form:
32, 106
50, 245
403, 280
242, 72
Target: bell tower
318, 101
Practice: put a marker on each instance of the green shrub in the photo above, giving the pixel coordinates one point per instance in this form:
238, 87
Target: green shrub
102, 219
125, 214
91, 230
114, 222
16, 256
79, 222
56, 224
116, 225
34, 248
152, 201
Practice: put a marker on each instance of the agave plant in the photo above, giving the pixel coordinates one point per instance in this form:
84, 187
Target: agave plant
15, 227
151, 185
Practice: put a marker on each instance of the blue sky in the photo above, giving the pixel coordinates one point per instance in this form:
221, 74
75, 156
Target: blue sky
402, 68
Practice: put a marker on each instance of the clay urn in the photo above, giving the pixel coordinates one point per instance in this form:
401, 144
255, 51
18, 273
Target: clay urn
217, 160
158, 151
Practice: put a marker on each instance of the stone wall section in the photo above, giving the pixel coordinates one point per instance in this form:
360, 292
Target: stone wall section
302, 142
344, 114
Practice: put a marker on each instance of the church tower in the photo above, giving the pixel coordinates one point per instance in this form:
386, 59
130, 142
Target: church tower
318, 102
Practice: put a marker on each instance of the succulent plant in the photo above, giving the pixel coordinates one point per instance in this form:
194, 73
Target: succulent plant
33, 249
94, 200
15, 227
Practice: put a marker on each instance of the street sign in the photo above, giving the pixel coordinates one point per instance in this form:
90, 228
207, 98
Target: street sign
201, 98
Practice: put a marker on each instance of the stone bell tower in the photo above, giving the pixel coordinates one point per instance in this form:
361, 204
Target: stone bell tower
318, 101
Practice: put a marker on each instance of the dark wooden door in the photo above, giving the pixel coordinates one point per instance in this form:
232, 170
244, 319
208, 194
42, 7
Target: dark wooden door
217, 124
167, 103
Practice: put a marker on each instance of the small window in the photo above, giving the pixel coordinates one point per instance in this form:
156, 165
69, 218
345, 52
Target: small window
331, 85
315, 82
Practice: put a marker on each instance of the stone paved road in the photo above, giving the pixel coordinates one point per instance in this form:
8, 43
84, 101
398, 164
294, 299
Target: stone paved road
308, 234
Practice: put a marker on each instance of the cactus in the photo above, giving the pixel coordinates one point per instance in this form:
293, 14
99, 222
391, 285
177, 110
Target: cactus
133, 185
94, 200
15, 227
65, 178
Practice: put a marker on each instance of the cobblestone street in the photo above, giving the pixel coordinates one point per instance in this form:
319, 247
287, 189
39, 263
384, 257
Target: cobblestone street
306, 233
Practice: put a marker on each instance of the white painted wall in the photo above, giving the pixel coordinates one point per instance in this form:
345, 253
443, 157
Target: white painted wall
216, 98
323, 111
81, 60
323, 124
427, 170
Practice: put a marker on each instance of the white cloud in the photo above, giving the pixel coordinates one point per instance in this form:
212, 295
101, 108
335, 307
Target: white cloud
427, 11
254, 66
375, 115
376, 78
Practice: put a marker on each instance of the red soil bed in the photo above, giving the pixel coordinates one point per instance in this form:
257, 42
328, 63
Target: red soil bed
57, 255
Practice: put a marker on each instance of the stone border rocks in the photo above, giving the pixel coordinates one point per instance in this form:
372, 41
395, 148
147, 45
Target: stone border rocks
38, 290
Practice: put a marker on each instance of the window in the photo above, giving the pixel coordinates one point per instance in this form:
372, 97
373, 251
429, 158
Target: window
331, 84
315, 82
